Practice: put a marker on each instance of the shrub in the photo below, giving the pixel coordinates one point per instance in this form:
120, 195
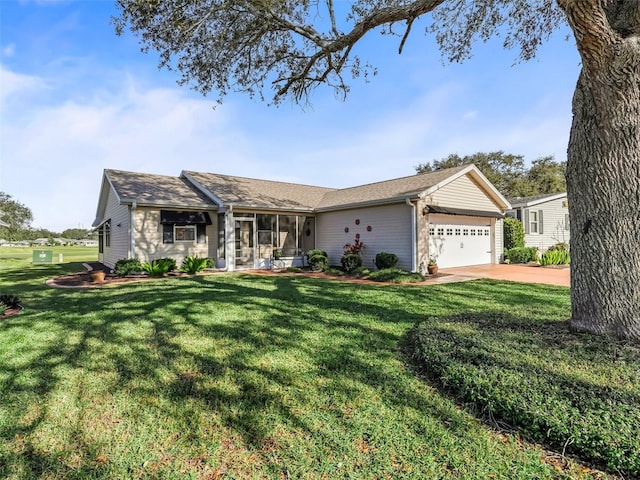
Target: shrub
9, 301
513, 233
128, 266
360, 272
159, 267
561, 246
350, 261
386, 260
582, 413
193, 264
555, 257
521, 254
294, 270
396, 275
314, 252
355, 247
211, 263
318, 262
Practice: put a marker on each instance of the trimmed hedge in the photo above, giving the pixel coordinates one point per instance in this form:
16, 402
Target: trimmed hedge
538, 376
521, 254
350, 261
513, 233
386, 260
128, 266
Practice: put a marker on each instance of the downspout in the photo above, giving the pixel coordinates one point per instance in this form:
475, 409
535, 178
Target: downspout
229, 235
413, 234
132, 230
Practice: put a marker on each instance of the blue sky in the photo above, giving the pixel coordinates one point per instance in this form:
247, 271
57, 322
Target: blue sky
76, 99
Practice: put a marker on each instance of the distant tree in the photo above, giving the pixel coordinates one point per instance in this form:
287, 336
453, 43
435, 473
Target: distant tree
75, 233
546, 175
16, 215
292, 46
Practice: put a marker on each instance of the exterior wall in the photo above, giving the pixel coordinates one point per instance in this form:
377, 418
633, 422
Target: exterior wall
463, 193
498, 240
390, 232
554, 226
119, 215
148, 239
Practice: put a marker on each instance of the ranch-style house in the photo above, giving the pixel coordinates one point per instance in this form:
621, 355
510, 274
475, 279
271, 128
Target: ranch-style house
453, 216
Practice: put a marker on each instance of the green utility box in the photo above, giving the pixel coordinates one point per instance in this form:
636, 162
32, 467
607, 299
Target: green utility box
43, 256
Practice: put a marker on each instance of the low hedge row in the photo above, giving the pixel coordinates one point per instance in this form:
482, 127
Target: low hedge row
551, 384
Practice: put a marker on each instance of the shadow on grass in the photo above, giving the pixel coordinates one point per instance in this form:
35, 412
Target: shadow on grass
576, 392
251, 354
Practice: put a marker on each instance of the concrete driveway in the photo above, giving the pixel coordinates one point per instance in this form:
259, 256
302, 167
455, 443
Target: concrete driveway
514, 273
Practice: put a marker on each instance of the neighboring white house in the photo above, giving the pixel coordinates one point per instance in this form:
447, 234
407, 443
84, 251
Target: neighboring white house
452, 215
545, 219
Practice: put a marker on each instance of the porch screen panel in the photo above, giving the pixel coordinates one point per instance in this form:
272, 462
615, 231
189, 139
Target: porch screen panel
266, 235
287, 234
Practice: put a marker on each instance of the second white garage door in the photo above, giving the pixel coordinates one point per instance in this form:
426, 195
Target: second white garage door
456, 241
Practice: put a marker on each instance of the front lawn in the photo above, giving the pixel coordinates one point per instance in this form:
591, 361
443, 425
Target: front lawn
248, 376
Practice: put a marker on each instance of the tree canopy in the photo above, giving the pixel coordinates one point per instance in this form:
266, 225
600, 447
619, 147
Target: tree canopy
17, 216
290, 47
508, 172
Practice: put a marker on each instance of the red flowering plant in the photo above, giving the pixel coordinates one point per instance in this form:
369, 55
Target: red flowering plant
355, 247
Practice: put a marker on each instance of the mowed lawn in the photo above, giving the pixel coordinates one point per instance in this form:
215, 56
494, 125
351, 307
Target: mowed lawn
247, 376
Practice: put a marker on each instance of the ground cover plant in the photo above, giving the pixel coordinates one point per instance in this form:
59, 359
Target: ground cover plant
250, 376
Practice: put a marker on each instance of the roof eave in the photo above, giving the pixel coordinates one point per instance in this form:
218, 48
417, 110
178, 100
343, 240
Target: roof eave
368, 203
550, 198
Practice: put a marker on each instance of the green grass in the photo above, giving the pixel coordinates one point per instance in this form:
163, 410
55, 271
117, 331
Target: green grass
248, 376
14, 257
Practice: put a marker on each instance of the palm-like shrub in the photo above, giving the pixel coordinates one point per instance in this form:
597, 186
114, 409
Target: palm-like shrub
193, 264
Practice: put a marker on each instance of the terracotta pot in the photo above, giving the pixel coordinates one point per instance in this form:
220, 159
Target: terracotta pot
97, 276
432, 269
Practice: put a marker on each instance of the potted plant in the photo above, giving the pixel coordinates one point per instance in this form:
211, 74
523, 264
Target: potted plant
432, 267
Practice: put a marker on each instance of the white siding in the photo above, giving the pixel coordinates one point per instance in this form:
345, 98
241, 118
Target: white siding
463, 193
554, 214
148, 239
119, 215
390, 232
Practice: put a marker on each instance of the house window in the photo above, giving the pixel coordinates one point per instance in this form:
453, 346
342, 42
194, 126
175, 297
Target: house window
533, 221
185, 233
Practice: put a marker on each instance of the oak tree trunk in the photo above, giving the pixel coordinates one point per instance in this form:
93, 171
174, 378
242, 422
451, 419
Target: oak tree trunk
603, 184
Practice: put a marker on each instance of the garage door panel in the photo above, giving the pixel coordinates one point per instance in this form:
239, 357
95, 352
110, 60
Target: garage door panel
456, 242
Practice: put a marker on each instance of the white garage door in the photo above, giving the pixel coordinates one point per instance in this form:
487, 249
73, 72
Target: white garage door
456, 241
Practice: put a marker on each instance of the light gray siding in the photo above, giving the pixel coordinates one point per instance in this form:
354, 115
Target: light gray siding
464, 193
119, 216
555, 226
148, 239
390, 232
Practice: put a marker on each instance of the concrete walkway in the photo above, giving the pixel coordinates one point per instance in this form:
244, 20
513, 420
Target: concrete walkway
515, 273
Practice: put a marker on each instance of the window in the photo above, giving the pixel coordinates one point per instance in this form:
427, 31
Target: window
185, 234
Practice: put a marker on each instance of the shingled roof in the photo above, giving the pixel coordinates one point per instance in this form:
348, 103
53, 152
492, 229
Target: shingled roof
388, 190
254, 193
157, 190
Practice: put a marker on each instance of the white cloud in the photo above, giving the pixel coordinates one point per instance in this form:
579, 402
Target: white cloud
9, 50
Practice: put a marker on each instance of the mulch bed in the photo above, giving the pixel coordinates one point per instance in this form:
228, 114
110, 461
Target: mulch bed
84, 280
